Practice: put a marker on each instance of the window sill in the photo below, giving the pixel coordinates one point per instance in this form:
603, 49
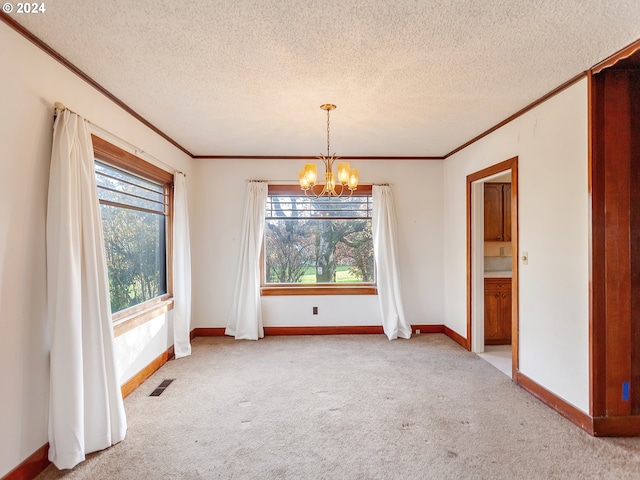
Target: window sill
122, 323
319, 290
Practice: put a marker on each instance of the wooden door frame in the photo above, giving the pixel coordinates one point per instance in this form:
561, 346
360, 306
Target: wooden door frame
614, 325
512, 165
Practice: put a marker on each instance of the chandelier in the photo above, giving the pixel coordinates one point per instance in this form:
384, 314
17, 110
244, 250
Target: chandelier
347, 177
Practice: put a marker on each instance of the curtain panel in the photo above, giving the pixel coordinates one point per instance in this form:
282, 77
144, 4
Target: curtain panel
181, 269
86, 411
385, 251
245, 319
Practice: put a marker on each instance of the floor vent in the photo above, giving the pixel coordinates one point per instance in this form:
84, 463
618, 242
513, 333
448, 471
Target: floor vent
158, 391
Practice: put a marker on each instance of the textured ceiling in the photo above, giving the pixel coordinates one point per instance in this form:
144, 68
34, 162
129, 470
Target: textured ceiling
409, 77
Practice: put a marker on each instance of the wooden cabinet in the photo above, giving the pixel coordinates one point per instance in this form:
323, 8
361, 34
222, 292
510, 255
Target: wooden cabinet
497, 311
497, 212
506, 211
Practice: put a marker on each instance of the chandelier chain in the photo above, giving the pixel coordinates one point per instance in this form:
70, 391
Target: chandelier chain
345, 180
328, 110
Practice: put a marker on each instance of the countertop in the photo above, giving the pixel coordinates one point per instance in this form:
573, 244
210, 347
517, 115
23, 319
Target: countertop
497, 274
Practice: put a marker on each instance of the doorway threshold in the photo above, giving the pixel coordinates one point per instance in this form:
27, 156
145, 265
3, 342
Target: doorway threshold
499, 356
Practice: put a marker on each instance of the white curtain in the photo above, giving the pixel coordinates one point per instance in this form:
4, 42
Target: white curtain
181, 269
245, 320
86, 412
385, 250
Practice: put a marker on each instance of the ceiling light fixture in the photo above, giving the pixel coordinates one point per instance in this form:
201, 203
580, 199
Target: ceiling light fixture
347, 177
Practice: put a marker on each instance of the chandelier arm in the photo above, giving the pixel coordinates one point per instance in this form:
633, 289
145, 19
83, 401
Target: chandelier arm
312, 189
351, 190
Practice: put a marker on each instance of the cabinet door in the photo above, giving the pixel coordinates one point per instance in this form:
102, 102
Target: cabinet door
493, 212
504, 326
506, 211
497, 311
491, 313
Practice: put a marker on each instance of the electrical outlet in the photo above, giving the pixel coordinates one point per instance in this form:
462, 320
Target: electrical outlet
315, 310
417, 331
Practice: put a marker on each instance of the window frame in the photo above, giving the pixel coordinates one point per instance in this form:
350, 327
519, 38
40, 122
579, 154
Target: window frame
268, 290
136, 315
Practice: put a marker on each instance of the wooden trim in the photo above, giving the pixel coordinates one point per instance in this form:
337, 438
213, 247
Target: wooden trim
564, 408
169, 237
591, 103
66, 63
616, 57
510, 164
120, 158
268, 290
308, 157
131, 311
469, 278
515, 275
135, 320
139, 378
623, 426
456, 337
348, 289
491, 170
345, 330
617, 269
208, 332
33, 465
70, 66
329, 330
427, 328
634, 234
597, 258
614, 327
117, 157
519, 113
614, 224
55, 55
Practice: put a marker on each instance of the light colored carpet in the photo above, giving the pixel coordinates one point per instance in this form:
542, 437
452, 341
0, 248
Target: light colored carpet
347, 407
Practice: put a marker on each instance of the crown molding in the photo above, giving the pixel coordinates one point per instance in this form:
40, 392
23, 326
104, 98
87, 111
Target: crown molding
616, 57
70, 66
307, 157
519, 113
621, 54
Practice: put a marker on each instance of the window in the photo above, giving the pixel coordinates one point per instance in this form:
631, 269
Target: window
318, 242
135, 208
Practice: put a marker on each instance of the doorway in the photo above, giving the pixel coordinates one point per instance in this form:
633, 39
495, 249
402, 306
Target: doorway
492, 265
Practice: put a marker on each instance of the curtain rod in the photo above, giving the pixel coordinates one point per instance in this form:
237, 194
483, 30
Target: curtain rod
277, 182
136, 151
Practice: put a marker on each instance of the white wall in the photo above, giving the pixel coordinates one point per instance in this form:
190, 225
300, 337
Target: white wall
551, 144
219, 203
30, 84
